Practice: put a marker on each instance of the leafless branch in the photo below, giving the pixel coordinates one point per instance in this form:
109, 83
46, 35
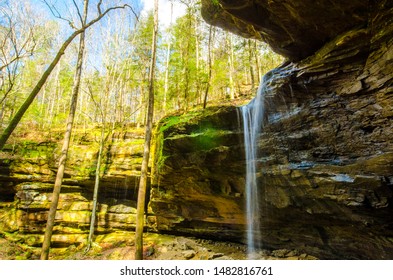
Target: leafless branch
11, 74
78, 11
19, 50
116, 7
17, 43
99, 7
57, 14
135, 14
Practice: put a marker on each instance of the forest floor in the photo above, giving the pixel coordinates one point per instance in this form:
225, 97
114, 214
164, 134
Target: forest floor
168, 248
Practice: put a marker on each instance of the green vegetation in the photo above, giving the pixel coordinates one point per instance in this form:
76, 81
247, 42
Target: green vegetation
115, 76
174, 120
191, 129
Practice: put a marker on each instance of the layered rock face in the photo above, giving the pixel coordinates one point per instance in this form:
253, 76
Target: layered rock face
26, 185
198, 173
326, 150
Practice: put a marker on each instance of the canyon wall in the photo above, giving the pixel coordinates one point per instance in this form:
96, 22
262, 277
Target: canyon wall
325, 168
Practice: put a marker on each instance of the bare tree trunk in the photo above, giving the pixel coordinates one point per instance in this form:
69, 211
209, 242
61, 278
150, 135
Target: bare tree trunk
96, 187
55, 94
250, 56
197, 45
168, 52
66, 143
2, 113
231, 66
141, 104
145, 162
103, 108
209, 65
258, 68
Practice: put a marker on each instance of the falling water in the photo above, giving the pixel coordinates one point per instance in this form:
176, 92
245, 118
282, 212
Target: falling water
252, 115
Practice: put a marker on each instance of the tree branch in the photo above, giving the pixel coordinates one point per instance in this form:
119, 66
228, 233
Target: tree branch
78, 11
56, 14
99, 7
133, 11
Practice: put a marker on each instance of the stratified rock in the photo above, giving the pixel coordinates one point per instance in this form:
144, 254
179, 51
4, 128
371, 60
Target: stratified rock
198, 174
325, 169
26, 184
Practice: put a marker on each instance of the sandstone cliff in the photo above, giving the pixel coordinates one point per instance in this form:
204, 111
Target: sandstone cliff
326, 151
27, 172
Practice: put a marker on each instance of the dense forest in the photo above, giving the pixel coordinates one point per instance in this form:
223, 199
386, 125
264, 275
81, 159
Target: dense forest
194, 59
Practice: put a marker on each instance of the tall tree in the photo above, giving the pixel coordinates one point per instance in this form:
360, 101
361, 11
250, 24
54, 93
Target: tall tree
67, 138
209, 65
231, 64
146, 153
19, 114
183, 72
250, 57
103, 114
138, 64
167, 61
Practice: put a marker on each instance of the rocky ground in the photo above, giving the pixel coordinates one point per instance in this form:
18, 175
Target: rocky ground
158, 247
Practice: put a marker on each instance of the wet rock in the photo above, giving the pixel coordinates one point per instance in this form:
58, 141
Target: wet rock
194, 187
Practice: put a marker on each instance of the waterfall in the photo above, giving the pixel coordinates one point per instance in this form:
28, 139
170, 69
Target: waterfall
252, 115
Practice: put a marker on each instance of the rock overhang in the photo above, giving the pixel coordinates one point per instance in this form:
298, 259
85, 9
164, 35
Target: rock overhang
292, 28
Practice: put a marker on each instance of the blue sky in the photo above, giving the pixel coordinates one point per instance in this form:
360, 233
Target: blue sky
144, 5
66, 9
